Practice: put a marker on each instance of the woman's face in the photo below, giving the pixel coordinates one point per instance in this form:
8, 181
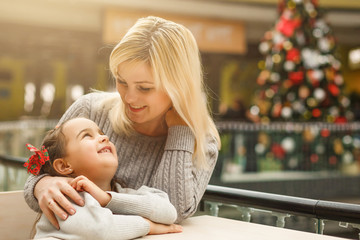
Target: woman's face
145, 105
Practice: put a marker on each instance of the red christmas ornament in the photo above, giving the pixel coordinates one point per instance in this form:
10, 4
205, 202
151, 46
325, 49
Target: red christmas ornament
333, 89
332, 160
287, 26
296, 77
293, 55
278, 151
340, 120
314, 158
325, 132
316, 113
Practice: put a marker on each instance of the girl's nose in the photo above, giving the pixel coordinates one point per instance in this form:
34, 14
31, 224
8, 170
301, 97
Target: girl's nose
103, 138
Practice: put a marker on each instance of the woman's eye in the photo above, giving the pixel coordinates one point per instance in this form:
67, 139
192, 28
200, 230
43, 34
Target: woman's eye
121, 82
144, 89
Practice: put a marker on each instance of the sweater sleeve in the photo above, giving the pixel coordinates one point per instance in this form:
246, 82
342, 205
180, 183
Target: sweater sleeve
81, 107
149, 203
176, 174
94, 222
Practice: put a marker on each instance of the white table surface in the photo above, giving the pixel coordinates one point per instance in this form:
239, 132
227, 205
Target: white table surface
216, 228
16, 221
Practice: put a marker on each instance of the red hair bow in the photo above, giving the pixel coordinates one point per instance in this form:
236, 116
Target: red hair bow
38, 159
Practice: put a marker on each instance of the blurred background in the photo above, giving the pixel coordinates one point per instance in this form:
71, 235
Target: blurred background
283, 80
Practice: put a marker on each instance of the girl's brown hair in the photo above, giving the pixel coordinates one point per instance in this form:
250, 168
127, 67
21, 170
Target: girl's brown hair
55, 143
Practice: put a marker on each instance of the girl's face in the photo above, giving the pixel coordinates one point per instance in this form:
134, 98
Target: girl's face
145, 105
89, 151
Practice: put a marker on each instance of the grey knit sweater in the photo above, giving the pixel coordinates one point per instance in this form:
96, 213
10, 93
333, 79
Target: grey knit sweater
160, 162
122, 218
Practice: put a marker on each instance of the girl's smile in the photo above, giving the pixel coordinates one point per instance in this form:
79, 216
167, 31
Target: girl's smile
89, 151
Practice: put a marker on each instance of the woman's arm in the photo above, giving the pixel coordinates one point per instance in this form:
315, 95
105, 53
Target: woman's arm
149, 203
49, 190
178, 177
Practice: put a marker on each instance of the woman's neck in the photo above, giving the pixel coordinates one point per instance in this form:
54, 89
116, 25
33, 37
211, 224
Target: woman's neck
151, 130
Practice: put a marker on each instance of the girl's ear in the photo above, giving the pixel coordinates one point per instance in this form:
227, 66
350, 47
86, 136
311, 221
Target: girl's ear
62, 167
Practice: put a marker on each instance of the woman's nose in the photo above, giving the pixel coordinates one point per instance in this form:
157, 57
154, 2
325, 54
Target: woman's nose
130, 96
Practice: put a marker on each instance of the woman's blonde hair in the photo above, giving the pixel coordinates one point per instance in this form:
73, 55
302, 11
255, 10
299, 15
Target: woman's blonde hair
171, 51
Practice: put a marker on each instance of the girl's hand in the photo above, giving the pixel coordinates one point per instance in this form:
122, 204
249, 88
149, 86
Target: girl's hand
50, 193
172, 118
158, 228
82, 183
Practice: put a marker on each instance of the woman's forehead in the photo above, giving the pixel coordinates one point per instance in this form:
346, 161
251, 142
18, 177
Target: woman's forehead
138, 70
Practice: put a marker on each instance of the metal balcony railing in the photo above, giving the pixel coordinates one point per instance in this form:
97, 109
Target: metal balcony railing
282, 207
313, 160
12, 173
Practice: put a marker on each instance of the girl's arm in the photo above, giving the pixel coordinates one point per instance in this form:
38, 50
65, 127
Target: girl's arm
146, 202
176, 174
149, 203
82, 183
95, 222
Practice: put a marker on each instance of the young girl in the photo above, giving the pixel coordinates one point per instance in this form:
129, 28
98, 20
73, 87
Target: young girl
79, 149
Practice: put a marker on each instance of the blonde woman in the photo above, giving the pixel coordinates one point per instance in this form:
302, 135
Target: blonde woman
158, 121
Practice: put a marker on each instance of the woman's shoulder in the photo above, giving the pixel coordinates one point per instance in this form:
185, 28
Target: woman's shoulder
97, 99
88, 104
99, 95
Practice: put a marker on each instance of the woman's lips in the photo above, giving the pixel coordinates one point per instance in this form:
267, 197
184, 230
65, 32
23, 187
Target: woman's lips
136, 109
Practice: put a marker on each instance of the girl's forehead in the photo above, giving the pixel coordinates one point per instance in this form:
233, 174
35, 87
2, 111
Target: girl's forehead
76, 125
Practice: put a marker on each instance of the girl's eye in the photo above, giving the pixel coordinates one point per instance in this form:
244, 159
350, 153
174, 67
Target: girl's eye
87, 135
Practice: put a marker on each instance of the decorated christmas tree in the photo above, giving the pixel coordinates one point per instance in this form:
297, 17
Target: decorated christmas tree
300, 81
300, 78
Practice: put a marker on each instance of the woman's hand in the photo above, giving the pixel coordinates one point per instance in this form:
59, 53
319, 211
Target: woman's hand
172, 118
158, 228
82, 183
50, 192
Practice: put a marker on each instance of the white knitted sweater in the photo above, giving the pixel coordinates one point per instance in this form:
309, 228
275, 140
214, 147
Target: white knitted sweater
121, 219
